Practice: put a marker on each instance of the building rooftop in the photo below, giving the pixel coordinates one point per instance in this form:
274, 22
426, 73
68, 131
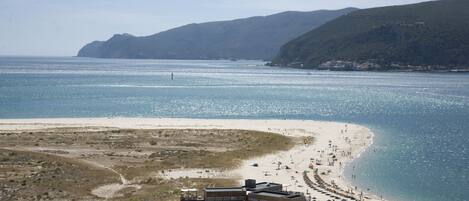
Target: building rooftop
263, 185
277, 194
237, 189
271, 194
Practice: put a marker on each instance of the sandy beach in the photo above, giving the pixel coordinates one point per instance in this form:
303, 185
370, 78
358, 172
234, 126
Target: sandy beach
333, 146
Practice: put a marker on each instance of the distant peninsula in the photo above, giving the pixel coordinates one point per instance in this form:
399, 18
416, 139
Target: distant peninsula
250, 38
429, 36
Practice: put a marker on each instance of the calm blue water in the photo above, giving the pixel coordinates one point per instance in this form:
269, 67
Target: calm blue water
421, 120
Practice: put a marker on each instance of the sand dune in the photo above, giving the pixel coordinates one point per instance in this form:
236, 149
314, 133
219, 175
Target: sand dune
334, 146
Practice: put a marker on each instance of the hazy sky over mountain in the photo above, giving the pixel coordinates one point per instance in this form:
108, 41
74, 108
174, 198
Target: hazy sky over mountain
61, 27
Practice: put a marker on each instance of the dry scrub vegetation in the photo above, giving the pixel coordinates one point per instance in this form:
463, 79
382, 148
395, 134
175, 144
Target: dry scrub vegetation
67, 163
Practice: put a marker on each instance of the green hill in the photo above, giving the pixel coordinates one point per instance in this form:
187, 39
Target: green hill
426, 36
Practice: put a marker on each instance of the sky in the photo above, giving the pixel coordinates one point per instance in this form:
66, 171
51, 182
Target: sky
62, 27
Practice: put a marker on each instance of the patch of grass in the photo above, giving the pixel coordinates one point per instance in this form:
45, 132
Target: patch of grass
35, 176
243, 145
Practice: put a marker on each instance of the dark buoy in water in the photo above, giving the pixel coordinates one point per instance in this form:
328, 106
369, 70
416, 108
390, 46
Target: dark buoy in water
172, 76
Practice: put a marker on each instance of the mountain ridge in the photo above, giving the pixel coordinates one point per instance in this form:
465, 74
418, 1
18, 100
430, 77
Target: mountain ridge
258, 37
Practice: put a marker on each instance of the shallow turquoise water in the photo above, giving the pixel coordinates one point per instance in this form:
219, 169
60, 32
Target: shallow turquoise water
421, 120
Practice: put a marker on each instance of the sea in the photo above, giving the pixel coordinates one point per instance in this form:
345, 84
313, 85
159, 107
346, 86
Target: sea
420, 120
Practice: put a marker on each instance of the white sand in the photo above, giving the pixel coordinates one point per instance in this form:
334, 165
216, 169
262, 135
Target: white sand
297, 159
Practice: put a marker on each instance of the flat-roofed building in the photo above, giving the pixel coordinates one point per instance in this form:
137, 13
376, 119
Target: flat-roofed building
275, 196
251, 191
225, 194
251, 185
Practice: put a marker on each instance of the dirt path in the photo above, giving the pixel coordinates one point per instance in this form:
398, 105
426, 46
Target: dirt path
111, 190
105, 191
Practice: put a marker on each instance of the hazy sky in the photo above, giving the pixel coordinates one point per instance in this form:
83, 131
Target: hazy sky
61, 27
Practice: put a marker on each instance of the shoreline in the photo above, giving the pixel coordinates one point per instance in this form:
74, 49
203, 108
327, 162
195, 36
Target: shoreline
335, 146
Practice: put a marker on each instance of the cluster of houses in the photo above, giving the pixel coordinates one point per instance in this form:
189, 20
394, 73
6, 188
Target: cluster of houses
339, 65
251, 191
